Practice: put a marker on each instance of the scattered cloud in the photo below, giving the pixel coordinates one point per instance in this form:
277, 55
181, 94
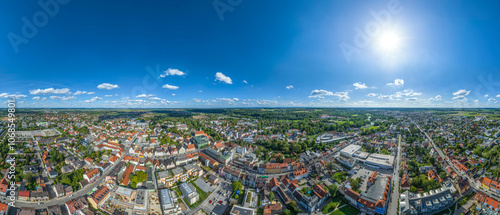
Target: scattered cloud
461, 95
289, 87
62, 98
94, 99
36, 98
77, 93
491, 99
221, 77
320, 94
170, 87
406, 93
360, 85
343, 96
230, 100
437, 98
245, 81
144, 96
171, 71
16, 96
49, 91
107, 86
371, 95
108, 95
397, 83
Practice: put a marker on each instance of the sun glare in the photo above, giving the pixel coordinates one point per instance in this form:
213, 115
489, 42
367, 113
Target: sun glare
389, 42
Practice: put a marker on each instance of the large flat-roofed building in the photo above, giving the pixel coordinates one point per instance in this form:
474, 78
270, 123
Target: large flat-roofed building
167, 203
350, 150
238, 210
380, 161
201, 141
191, 195
360, 154
428, 202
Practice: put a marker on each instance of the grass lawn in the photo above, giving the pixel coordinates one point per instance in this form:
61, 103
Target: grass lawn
331, 206
346, 210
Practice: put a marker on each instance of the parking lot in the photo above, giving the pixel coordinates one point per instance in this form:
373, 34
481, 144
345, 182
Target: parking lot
222, 195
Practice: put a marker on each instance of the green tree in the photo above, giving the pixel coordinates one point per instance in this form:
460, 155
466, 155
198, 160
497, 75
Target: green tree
237, 185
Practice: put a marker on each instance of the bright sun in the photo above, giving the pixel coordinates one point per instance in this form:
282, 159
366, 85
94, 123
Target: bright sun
389, 42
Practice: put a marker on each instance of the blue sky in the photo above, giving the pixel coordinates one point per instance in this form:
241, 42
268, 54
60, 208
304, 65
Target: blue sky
267, 53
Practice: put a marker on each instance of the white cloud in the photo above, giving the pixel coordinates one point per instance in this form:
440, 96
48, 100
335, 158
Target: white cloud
289, 87
437, 98
108, 95
156, 98
486, 95
461, 95
62, 98
77, 93
221, 77
200, 91
94, 99
498, 96
320, 94
266, 102
413, 99
371, 95
36, 98
170, 87
230, 100
173, 94
107, 86
17, 96
92, 93
388, 97
406, 93
491, 99
171, 71
359, 85
397, 83
49, 91
343, 96
144, 96
44, 99
245, 81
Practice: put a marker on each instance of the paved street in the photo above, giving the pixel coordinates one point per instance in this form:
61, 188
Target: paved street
393, 203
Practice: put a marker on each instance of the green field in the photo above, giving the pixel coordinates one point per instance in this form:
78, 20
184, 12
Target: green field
346, 210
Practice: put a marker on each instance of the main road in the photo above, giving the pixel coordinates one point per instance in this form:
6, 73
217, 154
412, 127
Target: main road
393, 202
62, 200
